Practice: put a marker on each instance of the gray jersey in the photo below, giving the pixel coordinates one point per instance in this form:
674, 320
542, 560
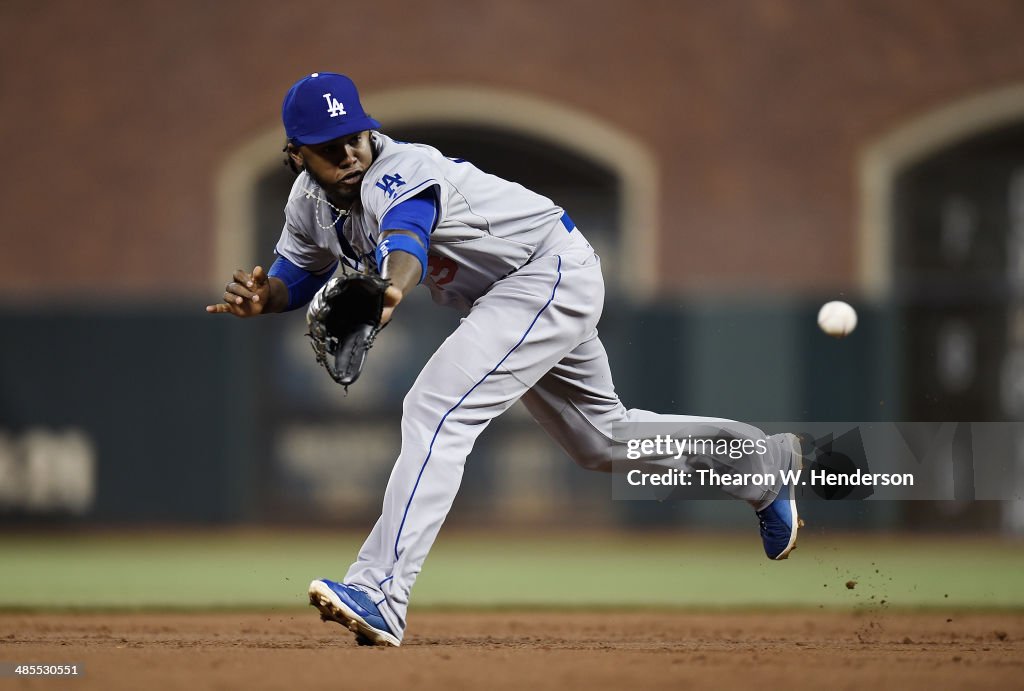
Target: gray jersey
536, 292
488, 227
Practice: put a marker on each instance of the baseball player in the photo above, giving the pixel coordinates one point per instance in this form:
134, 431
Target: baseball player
531, 289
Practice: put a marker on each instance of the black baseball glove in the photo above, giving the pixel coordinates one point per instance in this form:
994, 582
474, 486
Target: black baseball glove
344, 318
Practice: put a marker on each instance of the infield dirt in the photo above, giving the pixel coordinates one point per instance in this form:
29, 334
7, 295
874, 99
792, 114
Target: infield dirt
516, 650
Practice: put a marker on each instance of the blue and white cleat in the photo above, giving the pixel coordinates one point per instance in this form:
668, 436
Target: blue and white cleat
779, 520
353, 609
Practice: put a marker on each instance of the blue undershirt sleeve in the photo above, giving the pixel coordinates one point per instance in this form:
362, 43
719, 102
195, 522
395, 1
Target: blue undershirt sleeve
302, 285
418, 215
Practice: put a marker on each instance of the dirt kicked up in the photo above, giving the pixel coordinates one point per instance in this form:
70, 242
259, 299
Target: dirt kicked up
517, 650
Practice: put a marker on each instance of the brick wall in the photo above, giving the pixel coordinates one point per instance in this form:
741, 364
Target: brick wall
117, 115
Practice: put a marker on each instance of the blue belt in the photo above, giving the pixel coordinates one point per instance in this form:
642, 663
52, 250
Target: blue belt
567, 222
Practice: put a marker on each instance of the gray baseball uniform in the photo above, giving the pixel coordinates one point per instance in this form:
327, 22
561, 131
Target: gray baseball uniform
532, 290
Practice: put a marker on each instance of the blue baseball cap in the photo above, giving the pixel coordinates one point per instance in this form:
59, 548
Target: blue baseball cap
322, 107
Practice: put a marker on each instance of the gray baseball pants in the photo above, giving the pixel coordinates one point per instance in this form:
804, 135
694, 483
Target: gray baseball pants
532, 336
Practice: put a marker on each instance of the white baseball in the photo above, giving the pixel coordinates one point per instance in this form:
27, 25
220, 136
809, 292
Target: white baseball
837, 318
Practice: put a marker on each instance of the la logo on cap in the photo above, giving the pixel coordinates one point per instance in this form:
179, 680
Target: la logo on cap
321, 107
334, 107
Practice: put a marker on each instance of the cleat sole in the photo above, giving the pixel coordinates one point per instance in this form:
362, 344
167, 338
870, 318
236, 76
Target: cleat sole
333, 609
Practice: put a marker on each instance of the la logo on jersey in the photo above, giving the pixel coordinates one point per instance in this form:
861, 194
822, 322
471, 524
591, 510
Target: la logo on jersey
334, 107
390, 184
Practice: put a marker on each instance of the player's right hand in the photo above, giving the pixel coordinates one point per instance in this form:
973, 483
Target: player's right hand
247, 295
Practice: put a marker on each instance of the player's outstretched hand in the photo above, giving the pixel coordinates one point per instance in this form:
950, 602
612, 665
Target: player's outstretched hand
247, 295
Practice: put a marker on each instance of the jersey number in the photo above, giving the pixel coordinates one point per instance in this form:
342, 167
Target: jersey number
441, 269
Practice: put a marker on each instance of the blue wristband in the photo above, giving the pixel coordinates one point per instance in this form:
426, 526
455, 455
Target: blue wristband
402, 243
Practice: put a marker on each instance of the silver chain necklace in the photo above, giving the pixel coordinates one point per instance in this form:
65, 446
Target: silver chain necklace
322, 199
